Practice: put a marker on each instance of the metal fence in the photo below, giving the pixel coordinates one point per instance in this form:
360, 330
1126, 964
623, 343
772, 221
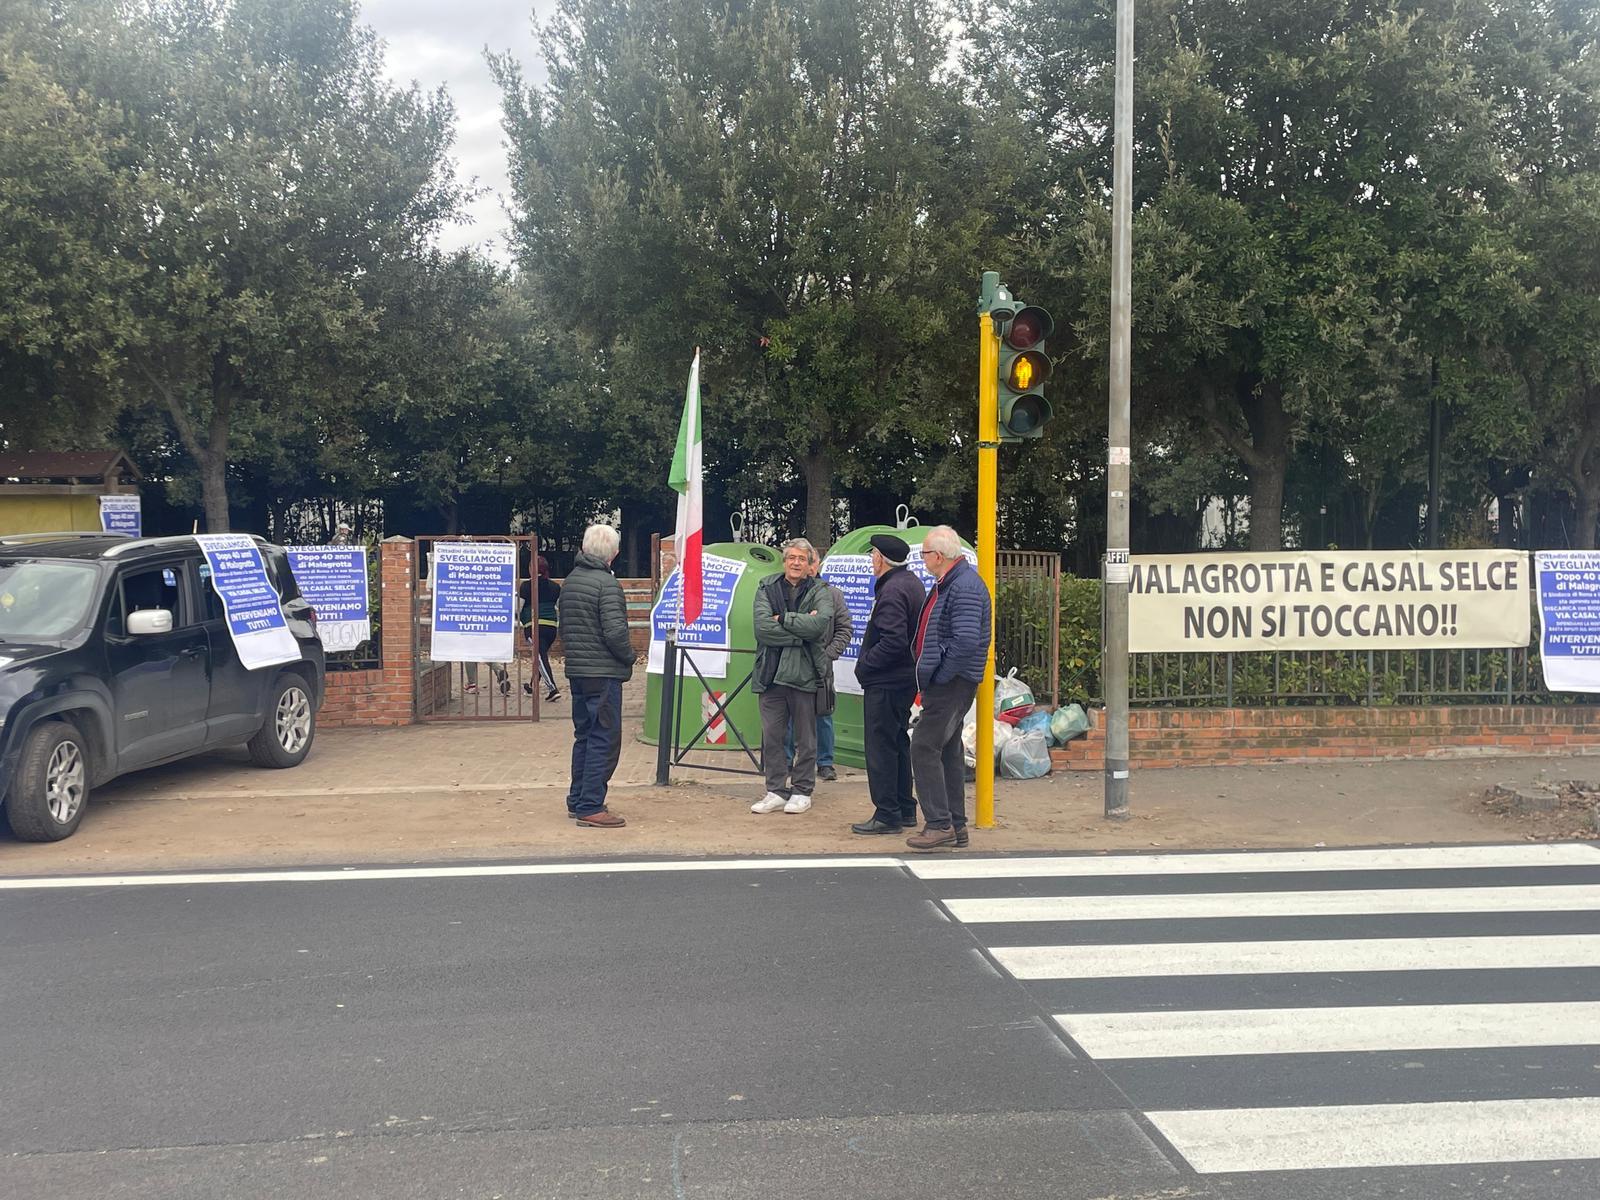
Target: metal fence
1286, 678
1027, 629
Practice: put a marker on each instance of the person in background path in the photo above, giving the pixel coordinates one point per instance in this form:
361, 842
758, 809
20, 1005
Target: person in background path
793, 619
548, 594
838, 642
951, 648
592, 620
341, 536
887, 673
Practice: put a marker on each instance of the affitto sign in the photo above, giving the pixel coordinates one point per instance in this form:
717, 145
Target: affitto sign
1329, 600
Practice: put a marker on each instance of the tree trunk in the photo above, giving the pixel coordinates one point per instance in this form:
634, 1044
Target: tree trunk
214, 491
1266, 505
1583, 530
819, 499
1269, 465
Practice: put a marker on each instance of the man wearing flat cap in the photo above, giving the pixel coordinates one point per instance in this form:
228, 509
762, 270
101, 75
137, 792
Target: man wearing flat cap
887, 673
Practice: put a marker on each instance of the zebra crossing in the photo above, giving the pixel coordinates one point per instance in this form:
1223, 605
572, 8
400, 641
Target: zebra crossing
1314, 1010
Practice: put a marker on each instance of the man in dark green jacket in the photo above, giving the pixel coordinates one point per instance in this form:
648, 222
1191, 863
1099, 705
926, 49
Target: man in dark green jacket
794, 619
593, 618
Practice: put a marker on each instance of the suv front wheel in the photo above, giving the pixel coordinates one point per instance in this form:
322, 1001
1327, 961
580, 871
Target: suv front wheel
285, 737
51, 788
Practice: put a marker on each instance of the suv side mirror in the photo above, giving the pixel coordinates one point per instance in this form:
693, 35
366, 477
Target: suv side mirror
149, 620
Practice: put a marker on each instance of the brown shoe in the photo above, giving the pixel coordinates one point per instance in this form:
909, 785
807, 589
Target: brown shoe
602, 820
932, 839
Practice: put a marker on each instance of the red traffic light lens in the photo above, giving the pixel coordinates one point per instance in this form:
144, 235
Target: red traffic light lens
1028, 328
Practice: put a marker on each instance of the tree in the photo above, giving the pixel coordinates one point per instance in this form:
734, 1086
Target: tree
779, 183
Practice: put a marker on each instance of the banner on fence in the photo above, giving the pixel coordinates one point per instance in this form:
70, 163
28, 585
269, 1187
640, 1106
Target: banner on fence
333, 579
1569, 619
1329, 600
474, 601
249, 601
707, 635
852, 575
121, 514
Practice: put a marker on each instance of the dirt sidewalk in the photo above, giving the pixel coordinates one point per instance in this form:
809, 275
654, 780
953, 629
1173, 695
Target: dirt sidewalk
435, 792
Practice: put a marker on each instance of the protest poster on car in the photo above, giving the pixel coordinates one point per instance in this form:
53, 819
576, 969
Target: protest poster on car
474, 602
251, 604
1329, 600
333, 580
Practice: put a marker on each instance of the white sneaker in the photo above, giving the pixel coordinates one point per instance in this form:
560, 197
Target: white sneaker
798, 804
771, 802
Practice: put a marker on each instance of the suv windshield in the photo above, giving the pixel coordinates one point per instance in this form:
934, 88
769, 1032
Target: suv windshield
44, 600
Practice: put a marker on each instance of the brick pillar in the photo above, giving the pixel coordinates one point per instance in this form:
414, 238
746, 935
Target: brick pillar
398, 581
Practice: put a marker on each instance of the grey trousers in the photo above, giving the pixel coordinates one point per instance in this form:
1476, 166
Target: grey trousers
781, 706
936, 758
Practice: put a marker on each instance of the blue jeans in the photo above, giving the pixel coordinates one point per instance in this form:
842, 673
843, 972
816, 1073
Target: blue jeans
824, 742
596, 741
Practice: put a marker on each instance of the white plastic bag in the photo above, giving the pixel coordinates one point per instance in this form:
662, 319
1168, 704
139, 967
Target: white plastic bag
1068, 723
1010, 692
1003, 734
1026, 756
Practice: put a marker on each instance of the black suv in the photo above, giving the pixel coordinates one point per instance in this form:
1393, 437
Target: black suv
115, 655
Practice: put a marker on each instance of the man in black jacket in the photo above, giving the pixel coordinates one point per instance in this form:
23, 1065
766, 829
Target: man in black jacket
593, 617
886, 671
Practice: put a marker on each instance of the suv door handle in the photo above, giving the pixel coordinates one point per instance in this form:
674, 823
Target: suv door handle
190, 652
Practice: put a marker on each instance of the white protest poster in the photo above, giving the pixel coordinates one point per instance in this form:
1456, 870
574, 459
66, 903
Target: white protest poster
254, 612
1329, 600
474, 602
121, 514
852, 575
706, 639
333, 580
1569, 619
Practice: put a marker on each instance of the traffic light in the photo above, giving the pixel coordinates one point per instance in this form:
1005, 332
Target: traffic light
1024, 370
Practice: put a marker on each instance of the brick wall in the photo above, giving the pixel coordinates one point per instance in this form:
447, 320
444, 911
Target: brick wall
1176, 737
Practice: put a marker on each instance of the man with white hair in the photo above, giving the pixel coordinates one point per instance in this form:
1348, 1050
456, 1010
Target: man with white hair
951, 650
793, 619
593, 619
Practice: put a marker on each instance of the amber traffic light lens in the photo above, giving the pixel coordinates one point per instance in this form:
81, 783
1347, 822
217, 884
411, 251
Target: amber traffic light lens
1028, 371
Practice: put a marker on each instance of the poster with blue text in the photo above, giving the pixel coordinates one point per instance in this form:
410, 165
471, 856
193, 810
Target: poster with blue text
121, 514
1569, 619
333, 579
254, 611
706, 639
474, 601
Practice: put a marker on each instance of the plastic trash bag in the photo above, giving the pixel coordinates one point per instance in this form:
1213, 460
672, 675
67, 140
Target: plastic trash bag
1068, 723
1011, 692
1038, 719
1026, 756
969, 741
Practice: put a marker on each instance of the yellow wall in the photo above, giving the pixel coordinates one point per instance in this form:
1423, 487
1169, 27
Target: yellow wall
48, 514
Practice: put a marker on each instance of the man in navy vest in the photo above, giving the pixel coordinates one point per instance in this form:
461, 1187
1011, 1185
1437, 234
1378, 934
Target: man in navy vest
952, 649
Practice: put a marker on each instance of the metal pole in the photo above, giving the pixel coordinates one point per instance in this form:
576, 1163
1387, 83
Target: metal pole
664, 730
1118, 469
988, 503
1434, 437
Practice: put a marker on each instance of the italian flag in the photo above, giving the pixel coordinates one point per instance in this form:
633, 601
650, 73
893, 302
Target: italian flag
686, 481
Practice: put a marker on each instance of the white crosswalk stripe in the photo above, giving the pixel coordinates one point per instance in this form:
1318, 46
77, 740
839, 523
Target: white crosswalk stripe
1417, 1007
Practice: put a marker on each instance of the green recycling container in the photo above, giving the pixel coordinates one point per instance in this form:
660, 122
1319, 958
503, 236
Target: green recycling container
732, 573
848, 565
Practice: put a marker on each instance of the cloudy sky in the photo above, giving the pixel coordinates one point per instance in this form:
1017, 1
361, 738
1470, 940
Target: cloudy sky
436, 44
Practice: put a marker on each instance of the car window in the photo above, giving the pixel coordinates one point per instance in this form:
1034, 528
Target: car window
211, 602
44, 599
137, 591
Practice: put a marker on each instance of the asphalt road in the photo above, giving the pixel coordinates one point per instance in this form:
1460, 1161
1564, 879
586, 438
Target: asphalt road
1026, 1028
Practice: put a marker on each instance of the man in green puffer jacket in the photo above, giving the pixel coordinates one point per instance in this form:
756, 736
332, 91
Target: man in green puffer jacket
593, 618
793, 619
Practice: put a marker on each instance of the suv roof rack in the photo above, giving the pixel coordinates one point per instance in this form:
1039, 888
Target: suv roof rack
62, 535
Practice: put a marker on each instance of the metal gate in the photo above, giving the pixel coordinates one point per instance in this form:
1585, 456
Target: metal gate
477, 691
671, 751
1027, 631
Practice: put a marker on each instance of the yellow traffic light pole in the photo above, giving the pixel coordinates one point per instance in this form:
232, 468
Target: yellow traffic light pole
988, 503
